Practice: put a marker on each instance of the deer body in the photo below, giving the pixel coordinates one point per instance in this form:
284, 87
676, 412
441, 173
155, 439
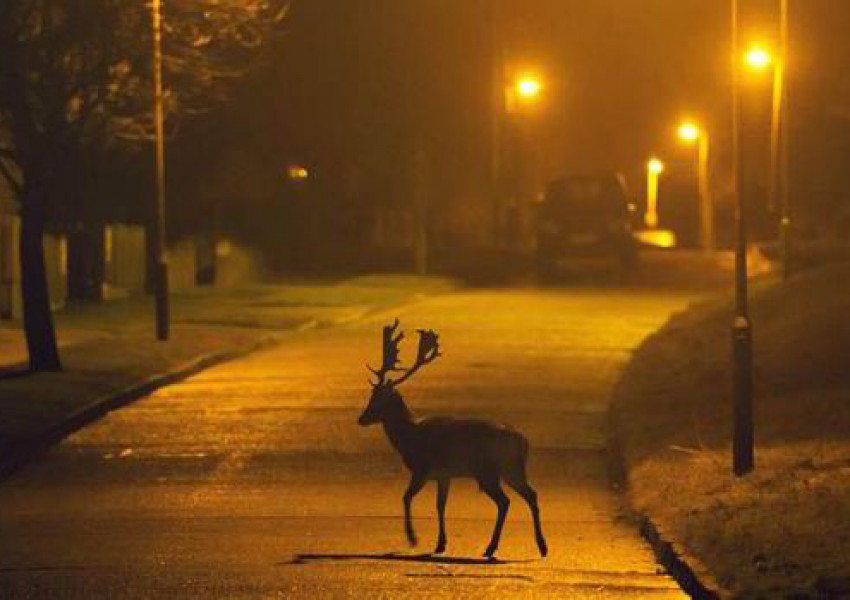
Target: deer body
443, 448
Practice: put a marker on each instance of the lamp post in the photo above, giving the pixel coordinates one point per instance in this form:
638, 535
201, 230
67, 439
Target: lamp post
497, 117
743, 460
690, 133
778, 201
780, 132
654, 168
759, 59
523, 91
158, 230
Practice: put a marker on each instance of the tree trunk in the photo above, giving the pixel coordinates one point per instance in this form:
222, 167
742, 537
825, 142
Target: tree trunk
38, 318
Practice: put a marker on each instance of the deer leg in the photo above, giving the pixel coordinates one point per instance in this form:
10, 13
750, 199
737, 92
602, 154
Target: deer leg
442, 496
530, 496
490, 486
413, 488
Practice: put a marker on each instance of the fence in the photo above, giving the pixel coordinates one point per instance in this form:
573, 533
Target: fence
123, 252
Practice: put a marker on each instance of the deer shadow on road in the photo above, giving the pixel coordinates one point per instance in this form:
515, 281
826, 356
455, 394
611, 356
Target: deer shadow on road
427, 557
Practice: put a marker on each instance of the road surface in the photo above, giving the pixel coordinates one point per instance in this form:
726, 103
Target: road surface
253, 480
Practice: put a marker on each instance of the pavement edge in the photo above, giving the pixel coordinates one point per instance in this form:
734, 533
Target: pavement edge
688, 572
19, 454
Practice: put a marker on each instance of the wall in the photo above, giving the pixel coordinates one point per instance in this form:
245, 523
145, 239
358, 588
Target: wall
56, 263
124, 265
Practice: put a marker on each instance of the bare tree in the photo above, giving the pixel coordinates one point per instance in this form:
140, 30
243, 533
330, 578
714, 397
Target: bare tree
75, 79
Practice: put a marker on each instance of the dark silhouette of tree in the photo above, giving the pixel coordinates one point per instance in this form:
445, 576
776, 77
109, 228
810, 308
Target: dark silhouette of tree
75, 81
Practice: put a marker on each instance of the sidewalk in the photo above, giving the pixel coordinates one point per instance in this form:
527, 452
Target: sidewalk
110, 356
14, 347
783, 530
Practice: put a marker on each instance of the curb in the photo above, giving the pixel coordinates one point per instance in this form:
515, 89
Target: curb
18, 454
678, 565
688, 572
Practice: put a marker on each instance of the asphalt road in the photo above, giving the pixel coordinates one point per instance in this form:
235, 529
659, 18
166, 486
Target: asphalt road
253, 480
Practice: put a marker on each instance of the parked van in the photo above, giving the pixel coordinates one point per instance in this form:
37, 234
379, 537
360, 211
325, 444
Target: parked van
585, 217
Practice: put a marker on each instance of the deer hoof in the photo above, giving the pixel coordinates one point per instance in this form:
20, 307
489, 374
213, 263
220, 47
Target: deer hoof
411, 539
489, 552
544, 550
441, 547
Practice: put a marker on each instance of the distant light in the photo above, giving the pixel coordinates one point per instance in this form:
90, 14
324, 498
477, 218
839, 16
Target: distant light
757, 57
297, 172
688, 132
655, 166
528, 86
659, 238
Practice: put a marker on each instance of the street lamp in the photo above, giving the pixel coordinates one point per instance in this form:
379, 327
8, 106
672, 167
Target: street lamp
525, 89
654, 168
743, 460
781, 135
519, 92
759, 59
528, 87
689, 133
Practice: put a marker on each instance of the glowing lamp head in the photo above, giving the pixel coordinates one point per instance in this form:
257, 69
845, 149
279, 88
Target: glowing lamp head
655, 166
528, 87
688, 132
757, 58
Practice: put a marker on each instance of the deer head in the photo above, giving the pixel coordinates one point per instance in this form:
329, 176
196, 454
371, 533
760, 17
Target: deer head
385, 398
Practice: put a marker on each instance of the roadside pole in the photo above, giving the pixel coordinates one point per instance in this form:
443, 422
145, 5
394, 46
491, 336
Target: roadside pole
161, 263
742, 348
497, 151
706, 202
784, 145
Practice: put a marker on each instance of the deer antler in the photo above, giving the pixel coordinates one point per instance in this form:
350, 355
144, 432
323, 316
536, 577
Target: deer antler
429, 350
390, 353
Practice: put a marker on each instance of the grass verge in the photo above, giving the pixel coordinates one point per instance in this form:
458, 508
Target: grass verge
784, 530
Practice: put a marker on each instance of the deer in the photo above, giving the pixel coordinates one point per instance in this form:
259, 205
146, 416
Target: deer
442, 448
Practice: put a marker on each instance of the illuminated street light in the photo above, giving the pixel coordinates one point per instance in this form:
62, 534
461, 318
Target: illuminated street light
689, 133
520, 93
758, 58
654, 167
528, 87
781, 134
743, 452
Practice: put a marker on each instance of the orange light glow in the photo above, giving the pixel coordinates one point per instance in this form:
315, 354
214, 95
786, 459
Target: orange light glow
688, 132
297, 172
758, 58
528, 86
659, 238
655, 166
